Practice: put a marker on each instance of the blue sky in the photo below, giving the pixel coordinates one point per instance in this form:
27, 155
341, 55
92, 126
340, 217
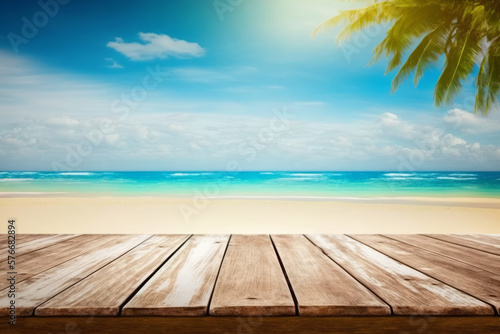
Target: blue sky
195, 85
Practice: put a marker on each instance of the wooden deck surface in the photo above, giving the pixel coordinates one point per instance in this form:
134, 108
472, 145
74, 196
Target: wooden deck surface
272, 283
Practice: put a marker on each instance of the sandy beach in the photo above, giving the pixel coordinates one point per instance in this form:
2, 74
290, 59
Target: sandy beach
251, 215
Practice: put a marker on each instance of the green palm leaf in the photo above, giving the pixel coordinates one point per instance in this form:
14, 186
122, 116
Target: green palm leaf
430, 55
455, 29
459, 64
416, 58
493, 75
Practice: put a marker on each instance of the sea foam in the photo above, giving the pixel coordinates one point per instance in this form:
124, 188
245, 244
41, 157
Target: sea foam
15, 179
456, 178
76, 173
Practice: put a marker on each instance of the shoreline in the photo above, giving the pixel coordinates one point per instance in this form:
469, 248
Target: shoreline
466, 201
169, 215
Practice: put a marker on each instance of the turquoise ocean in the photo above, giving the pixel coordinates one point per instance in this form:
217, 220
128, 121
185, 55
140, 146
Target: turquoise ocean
252, 184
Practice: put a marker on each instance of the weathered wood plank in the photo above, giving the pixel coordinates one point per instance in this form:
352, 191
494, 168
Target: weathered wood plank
464, 241
488, 238
183, 285
41, 242
474, 281
3, 240
42, 259
251, 281
408, 291
39, 288
320, 286
38, 243
476, 258
256, 325
28, 237
19, 239
23, 237
103, 292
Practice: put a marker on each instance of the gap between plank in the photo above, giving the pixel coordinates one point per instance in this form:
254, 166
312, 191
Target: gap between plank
286, 277
347, 271
218, 272
133, 293
90, 250
455, 243
34, 309
49, 245
442, 254
494, 308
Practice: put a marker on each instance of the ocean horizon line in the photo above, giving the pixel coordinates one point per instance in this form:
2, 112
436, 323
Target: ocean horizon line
250, 171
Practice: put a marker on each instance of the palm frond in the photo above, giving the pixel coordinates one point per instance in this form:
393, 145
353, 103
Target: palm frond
460, 62
430, 55
404, 32
422, 31
493, 75
415, 58
481, 86
358, 18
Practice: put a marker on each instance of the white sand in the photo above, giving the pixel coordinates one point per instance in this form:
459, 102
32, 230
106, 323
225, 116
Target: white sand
188, 215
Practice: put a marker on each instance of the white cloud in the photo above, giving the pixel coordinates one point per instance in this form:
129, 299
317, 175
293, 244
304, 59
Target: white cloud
28, 89
62, 121
197, 140
461, 118
472, 124
113, 63
156, 46
42, 113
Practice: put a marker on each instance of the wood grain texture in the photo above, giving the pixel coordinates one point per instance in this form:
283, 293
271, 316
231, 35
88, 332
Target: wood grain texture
476, 258
46, 240
251, 281
23, 238
464, 240
28, 237
408, 291
39, 288
320, 286
258, 325
38, 242
474, 281
3, 240
183, 285
103, 292
43, 259
19, 239
486, 238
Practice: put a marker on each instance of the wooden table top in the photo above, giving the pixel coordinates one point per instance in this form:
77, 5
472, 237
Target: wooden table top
298, 276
